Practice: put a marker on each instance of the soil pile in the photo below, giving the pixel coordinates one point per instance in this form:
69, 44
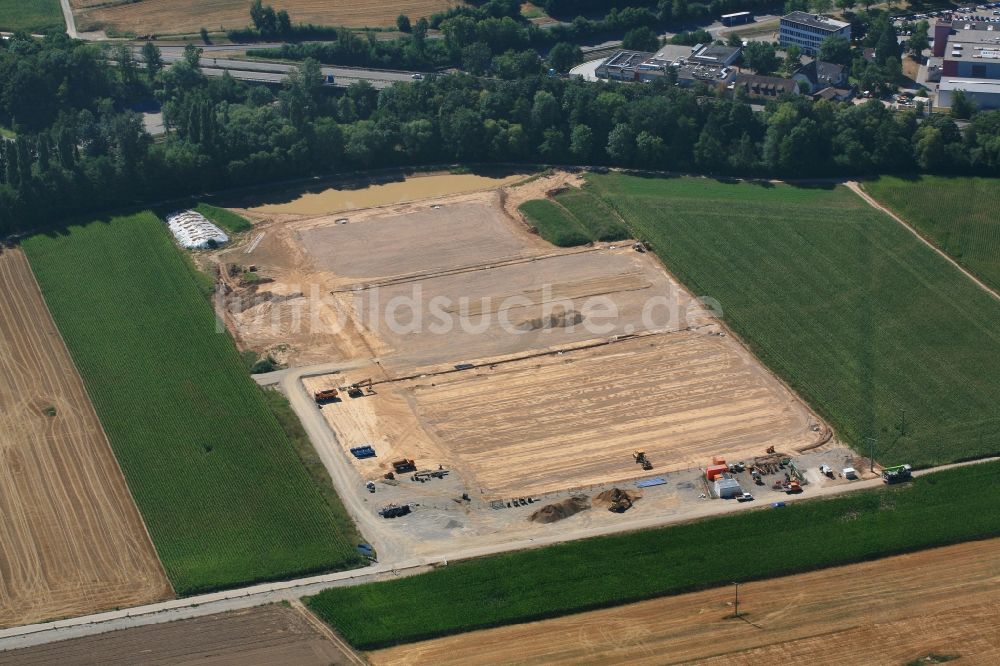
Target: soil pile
616, 499
560, 319
550, 513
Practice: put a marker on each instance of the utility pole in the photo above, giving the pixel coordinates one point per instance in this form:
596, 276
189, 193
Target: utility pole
871, 452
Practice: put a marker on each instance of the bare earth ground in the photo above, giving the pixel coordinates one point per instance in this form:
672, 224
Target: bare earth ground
188, 16
542, 324
71, 539
273, 634
890, 611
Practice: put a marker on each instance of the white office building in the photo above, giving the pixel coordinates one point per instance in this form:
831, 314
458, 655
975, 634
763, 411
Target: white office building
809, 30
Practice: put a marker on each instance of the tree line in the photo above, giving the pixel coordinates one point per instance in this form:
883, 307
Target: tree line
80, 148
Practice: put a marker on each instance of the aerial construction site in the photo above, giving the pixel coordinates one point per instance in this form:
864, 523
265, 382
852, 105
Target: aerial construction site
443, 335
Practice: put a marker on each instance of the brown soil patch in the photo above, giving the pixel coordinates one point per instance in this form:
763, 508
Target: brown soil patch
172, 17
891, 611
272, 634
71, 539
570, 506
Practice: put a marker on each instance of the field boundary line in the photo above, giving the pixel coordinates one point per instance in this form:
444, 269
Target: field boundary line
856, 187
327, 630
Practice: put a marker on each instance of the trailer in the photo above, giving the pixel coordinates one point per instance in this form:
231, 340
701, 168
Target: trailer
403, 466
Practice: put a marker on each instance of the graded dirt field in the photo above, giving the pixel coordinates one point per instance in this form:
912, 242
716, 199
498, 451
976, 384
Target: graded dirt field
418, 289
680, 397
71, 539
890, 611
188, 16
274, 634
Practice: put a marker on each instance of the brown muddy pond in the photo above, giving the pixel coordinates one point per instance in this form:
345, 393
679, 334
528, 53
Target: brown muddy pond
335, 199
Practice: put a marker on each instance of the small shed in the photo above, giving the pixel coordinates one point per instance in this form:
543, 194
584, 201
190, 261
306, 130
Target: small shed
727, 488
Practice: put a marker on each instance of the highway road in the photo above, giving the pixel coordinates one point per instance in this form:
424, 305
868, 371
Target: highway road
276, 72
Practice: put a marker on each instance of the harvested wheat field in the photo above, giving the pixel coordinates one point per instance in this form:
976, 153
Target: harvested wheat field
71, 539
273, 634
188, 16
891, 611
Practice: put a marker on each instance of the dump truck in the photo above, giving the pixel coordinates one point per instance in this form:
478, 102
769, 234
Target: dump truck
403, 466
326, 395
897, 474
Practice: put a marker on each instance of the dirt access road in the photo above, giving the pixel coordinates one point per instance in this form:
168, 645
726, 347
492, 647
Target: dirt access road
890, 611
71, 539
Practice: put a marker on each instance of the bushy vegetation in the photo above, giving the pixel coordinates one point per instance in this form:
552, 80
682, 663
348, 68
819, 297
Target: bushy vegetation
935, 510
30, 15
226, 219
225, 497
875, 330
959, 215
554, 223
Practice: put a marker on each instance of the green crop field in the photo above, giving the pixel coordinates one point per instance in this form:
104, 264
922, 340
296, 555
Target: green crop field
941, 508
888, 341
225, 497
599, 221
554, 223
576, 217
226, 219
959, 215
30, 15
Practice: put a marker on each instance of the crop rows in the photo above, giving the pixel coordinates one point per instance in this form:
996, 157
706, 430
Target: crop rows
223, 494
890, 343
575, 217
959, 215
946, 507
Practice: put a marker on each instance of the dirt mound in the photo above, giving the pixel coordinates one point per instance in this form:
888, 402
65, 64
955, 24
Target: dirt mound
617, 499
550, 513
561, 319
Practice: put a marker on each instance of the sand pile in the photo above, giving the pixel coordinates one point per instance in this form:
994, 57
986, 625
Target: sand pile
617, 499
550, 513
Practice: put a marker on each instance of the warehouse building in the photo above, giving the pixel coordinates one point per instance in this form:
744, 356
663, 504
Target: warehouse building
985, 93
727, 488
809, 30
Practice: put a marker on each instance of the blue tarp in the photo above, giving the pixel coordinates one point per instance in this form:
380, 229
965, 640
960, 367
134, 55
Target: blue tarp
646, 483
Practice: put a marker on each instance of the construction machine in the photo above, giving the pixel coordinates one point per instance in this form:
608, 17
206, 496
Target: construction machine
356, 390
897, 474
403, 466
640, 458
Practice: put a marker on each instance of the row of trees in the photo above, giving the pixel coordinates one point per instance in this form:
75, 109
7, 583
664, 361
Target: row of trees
92, 153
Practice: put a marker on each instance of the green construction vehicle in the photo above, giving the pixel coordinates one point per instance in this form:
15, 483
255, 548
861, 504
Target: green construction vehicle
897, 474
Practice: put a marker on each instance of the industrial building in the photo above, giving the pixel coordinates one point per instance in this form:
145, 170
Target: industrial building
711, 64
727, 488
809, 30
985, 93
968, 49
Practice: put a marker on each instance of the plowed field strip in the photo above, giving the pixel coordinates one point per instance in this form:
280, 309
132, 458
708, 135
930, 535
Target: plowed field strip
888, 611
71, 540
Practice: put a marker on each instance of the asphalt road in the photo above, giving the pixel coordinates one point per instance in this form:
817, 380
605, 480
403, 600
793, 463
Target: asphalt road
276, 72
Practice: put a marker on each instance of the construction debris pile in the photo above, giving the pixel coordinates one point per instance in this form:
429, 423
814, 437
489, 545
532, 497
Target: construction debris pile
551, 513
617, 500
